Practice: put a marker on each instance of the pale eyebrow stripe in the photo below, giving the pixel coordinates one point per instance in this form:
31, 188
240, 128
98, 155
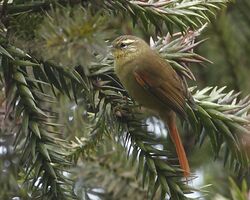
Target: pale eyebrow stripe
128, 41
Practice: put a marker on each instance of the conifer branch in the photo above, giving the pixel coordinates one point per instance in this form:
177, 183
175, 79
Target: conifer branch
42, 155
223, 118
114, 174
172, 13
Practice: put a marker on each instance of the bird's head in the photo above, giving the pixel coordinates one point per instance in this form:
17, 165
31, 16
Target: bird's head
127, 47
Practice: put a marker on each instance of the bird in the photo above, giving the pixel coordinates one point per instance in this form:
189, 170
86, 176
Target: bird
152, 82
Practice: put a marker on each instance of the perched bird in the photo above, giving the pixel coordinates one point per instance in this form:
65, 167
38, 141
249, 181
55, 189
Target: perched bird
153, 83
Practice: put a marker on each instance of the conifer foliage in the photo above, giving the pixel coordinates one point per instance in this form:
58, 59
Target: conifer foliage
69, 130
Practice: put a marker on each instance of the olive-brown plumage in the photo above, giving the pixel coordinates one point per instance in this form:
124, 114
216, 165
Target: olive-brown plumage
153, 83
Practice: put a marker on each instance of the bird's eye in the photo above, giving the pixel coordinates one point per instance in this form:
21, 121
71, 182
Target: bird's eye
123, 45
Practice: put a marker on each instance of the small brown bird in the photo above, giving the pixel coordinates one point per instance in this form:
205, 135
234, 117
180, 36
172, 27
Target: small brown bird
153, 83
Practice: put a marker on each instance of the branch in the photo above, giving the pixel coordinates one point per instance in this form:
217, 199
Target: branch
181, 14
42, 152
114, 173
178, 50
224, 119
81, 36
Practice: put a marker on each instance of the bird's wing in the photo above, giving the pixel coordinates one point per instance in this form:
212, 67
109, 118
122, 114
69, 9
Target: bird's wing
161, 80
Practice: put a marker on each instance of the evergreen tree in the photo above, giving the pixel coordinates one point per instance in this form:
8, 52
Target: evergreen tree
69, 130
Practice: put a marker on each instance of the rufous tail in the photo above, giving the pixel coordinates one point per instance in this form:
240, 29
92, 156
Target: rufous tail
174, 134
